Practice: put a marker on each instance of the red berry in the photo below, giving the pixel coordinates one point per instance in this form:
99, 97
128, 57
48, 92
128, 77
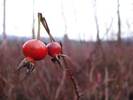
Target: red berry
35, 49
54, 48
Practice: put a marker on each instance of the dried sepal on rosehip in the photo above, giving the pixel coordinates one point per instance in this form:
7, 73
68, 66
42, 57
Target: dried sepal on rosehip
27, 63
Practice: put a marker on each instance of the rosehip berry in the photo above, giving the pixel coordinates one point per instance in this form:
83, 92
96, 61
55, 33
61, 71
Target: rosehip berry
54, 49
35, 49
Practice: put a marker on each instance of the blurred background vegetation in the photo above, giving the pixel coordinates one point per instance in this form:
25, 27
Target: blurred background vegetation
102, 66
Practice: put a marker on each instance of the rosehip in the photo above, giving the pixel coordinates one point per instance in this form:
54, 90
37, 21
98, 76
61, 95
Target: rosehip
35, 49
54, 49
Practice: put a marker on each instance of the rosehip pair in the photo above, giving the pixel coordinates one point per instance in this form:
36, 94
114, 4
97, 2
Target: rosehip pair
36, 50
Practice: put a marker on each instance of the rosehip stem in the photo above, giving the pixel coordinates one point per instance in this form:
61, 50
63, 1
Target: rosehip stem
39, 20
45, 25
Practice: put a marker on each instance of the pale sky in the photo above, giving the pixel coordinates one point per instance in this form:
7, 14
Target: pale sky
79, 17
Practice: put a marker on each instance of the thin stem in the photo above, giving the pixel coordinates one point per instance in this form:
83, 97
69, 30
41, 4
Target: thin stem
67, 71
45, 25
70, 73
106, 85
58, 91
33, 20
39, 19
75, 87
4, 20
42, 20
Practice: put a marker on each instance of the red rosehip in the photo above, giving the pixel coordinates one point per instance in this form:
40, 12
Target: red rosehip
54, 49
35, 49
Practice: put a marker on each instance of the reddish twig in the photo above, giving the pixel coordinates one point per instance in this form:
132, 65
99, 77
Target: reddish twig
106, 84
58, 91
67, 71
70, 73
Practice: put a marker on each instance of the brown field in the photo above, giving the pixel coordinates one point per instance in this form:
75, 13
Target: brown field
100, 71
